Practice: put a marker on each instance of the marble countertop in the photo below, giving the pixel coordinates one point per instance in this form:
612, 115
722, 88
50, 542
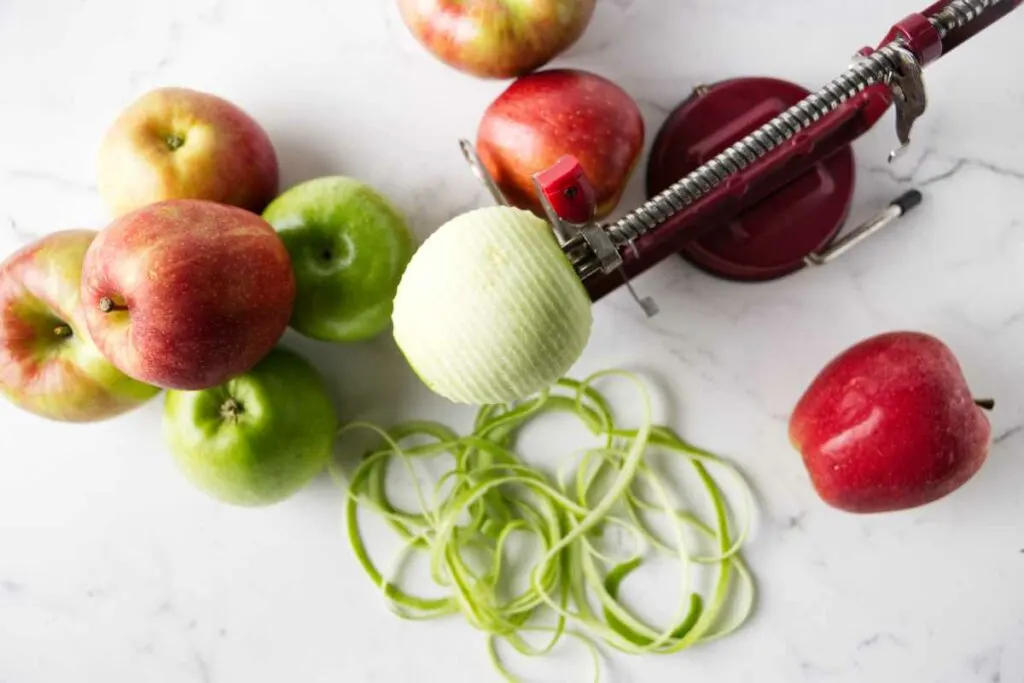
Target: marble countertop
112, 568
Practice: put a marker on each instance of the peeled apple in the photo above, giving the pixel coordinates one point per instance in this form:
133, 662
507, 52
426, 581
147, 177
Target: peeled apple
489, 310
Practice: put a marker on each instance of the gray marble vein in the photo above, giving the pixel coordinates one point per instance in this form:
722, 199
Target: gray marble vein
151, 76
956, 165
20, 234
988, 665
204, 668
880, 639
1008, 434
46, 178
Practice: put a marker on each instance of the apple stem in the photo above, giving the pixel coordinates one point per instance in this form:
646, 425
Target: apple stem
174, 141
107, 305
230, 410
985, 403
62, 331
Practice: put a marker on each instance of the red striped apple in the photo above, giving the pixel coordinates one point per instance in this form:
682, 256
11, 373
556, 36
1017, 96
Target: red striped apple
496, 38
49, 364
187, 294
177, 143
548, 114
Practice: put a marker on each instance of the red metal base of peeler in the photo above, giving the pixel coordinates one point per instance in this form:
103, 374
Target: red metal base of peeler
773, 238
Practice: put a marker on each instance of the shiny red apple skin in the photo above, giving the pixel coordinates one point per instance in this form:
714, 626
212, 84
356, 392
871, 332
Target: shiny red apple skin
49, 365
202, 292
890, 424
496, 38
545, 115
180, 143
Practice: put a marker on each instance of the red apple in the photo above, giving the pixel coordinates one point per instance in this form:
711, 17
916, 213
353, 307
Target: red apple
890, 424
496, 38
187, 294
176, 143
49, 365
543, 116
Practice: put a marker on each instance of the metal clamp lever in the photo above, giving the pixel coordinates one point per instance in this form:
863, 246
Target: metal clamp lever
469, 152
907, 84
569, 201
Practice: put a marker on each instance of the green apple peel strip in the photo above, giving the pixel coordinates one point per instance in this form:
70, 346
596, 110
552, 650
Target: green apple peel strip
492, 495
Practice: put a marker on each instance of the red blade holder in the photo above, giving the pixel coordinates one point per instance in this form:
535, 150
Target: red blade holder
752, 179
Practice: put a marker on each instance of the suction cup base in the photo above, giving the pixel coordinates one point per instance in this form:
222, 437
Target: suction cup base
773, 238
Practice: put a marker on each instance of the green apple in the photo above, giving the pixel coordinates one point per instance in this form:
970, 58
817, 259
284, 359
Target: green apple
349, 246
258, 438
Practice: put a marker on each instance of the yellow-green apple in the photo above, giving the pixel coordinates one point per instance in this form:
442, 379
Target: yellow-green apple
890, 424
548, 114
187, 293
349, 246
496, 38
49, 365
257, 439
178, 143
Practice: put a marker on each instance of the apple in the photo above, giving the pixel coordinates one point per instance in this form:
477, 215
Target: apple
349, 247
257, 439
496, 38
49, 365
890, 424
187, 293
178, 143
548, 114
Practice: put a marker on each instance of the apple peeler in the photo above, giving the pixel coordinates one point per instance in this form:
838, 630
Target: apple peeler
752, 179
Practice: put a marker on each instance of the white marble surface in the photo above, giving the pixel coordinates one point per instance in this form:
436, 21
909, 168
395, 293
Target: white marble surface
113, 569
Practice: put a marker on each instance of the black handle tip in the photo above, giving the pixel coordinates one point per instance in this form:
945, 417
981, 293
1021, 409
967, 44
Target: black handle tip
908, 201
